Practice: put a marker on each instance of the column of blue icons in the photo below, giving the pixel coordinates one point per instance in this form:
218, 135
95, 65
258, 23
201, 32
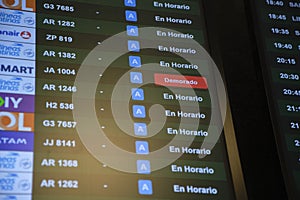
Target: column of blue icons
137, 94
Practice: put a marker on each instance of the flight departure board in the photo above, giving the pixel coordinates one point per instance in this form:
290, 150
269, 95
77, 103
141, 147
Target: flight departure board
278, 34
111, 99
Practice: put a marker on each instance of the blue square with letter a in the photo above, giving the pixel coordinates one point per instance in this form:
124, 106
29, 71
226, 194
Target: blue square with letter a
143, 166
137, 94
139, 111
135, 61
132, 30
130, 3
145, 187
140, 129
133, 46
131, 15
136, 77
142, 147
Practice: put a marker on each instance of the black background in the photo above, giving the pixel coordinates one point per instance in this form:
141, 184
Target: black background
231, 32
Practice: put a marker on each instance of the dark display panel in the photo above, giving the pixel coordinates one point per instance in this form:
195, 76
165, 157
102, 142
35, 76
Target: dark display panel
101, 114
278, 32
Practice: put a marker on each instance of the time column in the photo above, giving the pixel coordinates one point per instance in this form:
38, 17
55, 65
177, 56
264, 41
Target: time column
280, 29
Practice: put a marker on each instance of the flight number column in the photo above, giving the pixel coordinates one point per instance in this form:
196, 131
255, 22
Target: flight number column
58, 59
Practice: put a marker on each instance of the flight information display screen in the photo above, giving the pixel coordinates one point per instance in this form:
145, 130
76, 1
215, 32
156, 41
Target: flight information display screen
279, 32
110, 99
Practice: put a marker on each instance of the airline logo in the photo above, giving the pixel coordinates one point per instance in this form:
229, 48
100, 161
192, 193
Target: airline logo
17, 67
12, 183
26, 5
17, 50
17, 34
16, 102
15, 197
17, 18
11, 161
16, 141
17, 85
13, 121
